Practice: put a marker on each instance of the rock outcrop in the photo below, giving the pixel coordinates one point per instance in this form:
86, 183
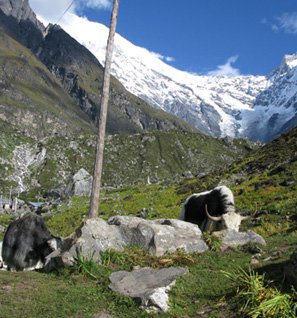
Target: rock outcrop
160, 236
20, 10
157, 237
80, 184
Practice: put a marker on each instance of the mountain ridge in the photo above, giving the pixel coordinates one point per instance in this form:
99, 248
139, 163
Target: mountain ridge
70, 62
216, 105
49, 94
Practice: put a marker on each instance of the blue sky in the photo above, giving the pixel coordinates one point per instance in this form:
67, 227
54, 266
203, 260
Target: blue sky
199, 36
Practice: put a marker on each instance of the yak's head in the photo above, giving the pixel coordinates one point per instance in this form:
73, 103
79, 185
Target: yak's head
230, 220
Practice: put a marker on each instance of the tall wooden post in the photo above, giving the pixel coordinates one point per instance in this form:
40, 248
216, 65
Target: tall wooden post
94, 202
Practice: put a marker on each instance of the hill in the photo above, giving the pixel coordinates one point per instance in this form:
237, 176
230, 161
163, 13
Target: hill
47, 165
32, 100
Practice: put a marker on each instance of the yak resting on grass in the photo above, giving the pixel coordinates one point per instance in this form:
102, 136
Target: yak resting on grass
212, 210
27, 242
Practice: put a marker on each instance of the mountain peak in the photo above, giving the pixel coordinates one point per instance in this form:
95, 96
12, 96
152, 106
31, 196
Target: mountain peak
290, 60
20, 10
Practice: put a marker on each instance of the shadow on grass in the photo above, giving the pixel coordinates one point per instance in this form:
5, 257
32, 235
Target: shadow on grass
279, 275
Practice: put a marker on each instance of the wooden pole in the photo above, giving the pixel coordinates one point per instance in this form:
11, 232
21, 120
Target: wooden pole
94, 202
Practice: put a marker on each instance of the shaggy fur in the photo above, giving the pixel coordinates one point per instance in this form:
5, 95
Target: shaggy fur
27, 242
219, 202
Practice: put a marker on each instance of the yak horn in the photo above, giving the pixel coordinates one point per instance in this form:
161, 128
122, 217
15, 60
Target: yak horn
212, 218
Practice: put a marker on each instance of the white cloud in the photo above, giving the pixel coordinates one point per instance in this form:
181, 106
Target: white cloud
99, 4
50, 11
226, 69
287, 22
163, 57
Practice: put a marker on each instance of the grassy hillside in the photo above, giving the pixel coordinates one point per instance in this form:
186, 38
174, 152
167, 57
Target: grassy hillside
128, 159
264, 184
32, 100
265, 180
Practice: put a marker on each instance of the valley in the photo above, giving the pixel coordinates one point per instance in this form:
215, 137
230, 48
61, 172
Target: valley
169, 134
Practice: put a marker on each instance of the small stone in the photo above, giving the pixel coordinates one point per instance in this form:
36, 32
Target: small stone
148, 285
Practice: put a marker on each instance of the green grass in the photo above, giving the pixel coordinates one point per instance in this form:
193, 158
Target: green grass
36, 294
256, 299
125, 201
266, 189
83, 290
128, 159
74, 293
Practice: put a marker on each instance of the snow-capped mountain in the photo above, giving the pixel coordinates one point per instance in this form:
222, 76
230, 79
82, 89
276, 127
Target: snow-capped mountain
275, 108
256, 107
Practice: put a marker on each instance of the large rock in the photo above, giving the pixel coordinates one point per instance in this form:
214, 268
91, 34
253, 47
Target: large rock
157, 237
80, 184
231, 238
148, 285
97, 236
160, 236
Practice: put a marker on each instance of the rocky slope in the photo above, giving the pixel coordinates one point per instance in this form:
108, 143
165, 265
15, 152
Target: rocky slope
46, 167
31, 99
274, 110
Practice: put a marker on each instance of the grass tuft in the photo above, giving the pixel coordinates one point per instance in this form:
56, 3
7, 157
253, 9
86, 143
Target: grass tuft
257, 299
214, 243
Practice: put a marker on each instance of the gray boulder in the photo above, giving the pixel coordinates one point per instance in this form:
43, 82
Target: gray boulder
159, 236
231, 238
147, 285
97, 236
80, 184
